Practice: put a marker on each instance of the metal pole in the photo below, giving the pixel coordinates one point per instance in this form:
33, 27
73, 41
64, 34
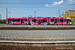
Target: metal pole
64, 20
59, 13
6, 13
59, 16
34, 13
64, 17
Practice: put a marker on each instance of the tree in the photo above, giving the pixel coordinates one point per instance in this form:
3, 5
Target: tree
3, 21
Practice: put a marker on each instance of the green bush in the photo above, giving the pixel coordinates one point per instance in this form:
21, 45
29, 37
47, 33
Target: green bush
3, 21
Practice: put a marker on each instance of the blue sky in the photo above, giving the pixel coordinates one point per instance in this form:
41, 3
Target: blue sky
43, 8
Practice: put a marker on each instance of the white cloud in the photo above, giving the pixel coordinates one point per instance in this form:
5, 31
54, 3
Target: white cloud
47, 5
58, 3
55, 3
71, 1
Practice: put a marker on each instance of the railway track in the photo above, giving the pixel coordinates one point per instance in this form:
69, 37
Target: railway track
34, 28
37, 47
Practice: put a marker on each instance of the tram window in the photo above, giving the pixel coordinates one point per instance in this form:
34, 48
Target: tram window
64, 20
44, 20
58, 20
61, 20
9, 19
55, 20
67, 20
15, 19
33, 20
25, 19
52, 20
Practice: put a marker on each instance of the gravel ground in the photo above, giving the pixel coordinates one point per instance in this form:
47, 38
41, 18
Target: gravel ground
13, 47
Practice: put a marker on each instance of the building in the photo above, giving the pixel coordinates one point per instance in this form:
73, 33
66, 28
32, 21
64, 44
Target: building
69, 14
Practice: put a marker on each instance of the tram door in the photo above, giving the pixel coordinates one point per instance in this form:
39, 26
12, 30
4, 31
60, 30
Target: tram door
22, 21
55, 21
39, 21
9, 20
67, 21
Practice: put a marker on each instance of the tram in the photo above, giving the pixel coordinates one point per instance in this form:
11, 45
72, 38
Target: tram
39, 21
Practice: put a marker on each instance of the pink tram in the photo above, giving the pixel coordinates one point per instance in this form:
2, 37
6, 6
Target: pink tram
60, 21
17, 21
39, 21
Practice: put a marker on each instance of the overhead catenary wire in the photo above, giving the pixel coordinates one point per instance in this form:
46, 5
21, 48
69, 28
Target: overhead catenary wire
35, 3
38, 7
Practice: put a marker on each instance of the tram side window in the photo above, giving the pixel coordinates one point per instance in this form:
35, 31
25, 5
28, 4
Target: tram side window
9, 19
64, 20
55, 20
25, 19
44, 20
61, 20
15, 19
33, 20
52, 20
